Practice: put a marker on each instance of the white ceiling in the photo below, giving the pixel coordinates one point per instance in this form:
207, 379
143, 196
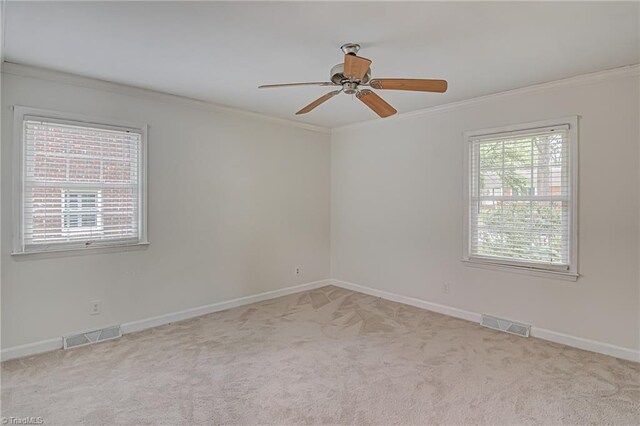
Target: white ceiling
220, 52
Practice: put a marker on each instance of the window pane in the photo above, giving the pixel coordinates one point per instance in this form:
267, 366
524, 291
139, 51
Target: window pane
523, 196
81, 184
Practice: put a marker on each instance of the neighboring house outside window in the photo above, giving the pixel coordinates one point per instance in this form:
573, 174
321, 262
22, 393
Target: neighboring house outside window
81, 183
521, 198
82, 212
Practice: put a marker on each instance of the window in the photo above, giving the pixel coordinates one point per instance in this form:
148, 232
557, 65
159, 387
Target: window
80, 184
521, 189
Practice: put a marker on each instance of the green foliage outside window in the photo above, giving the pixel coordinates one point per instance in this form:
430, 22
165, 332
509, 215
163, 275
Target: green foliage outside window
511, 222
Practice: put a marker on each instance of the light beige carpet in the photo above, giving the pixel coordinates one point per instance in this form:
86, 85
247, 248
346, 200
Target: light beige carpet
324, 356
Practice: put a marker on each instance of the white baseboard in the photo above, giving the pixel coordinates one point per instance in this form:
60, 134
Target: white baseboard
412, 301
31, 349
586, 344
131, 327
540, 333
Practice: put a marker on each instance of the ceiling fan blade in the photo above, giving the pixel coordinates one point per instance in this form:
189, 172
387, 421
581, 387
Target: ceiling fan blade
355, 66
376, 103
315, 83
419, 85
318, 101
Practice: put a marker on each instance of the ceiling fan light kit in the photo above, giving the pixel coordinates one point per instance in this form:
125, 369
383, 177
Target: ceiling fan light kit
355, 72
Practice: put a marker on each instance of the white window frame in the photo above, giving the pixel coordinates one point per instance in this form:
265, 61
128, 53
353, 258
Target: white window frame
512, 265
19, 114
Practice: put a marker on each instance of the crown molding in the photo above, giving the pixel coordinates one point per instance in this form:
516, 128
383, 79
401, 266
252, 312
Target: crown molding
579, 80
29, 71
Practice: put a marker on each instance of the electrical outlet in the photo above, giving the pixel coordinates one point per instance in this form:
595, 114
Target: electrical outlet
445, 288
297, 270
95, 307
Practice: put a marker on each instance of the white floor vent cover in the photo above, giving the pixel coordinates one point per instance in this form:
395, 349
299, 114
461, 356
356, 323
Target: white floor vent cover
75, 340
502, 324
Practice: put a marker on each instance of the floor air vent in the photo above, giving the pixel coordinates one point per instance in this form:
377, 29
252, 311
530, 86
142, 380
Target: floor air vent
75, 340
502, 324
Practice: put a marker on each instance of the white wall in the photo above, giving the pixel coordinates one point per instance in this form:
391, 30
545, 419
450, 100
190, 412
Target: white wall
236, 202
392, 189
397, 207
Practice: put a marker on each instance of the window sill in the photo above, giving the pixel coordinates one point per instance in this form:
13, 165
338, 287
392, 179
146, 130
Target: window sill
544, 273
78, 251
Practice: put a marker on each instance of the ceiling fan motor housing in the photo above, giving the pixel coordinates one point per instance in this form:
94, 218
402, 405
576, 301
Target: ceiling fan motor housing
338, 77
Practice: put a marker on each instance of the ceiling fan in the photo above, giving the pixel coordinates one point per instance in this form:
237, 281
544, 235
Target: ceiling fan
356, 72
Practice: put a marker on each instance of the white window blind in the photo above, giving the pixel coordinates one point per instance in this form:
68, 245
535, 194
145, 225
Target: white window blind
81, 185
521, 198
